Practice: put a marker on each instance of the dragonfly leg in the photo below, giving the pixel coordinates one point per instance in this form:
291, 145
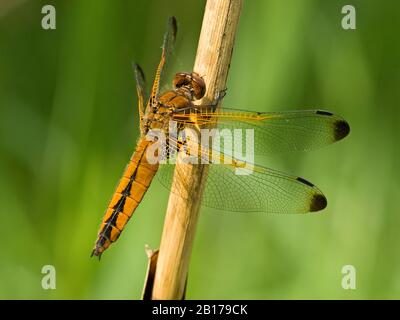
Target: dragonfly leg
220, 95
198, 108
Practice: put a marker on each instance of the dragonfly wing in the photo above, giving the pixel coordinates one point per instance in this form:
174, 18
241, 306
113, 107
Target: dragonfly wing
140, 87
263, 190
276, 132
169, 40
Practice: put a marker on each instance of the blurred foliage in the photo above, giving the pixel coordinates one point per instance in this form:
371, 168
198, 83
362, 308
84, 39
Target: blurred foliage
69, 123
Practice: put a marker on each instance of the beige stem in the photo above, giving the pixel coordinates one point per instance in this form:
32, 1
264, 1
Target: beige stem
212, 62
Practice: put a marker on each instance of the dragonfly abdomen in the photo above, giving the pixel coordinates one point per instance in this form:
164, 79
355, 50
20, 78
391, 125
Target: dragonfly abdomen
131, 188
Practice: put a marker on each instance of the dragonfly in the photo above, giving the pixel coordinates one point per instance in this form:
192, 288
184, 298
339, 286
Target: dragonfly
264, 190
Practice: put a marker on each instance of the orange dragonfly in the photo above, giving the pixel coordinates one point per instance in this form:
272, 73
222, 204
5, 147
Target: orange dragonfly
264, 189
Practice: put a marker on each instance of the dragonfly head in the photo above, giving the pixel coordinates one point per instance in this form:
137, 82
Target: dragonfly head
191, 84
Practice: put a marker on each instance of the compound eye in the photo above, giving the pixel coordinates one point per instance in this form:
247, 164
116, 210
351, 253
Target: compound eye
193, 81
181, 79
198, 85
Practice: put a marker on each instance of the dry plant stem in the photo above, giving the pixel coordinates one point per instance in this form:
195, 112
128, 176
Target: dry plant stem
151, 269
212, 62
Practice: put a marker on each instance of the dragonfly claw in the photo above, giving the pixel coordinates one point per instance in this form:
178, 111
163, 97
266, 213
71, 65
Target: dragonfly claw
220, 95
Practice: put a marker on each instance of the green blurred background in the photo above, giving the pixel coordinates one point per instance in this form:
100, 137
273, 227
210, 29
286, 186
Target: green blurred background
69, 123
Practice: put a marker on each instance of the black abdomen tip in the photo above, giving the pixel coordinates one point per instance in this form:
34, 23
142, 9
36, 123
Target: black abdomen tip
318, 203
96, 253
341, 129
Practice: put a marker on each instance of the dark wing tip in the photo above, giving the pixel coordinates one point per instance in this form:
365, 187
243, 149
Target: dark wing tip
341, 129
318, 202
137, 67
138, 70
173, 25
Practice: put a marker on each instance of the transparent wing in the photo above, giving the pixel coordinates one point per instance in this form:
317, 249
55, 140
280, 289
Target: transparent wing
140, 87
274, 132
264, 190
169, 40
235, 185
